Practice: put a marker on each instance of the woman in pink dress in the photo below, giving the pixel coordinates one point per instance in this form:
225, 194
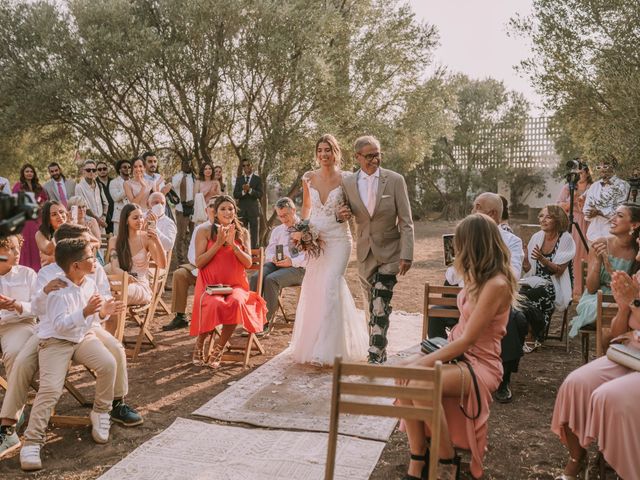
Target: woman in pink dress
598, 401
489, 292
207, 184
137, 188
223, 253
583, 184
30, 185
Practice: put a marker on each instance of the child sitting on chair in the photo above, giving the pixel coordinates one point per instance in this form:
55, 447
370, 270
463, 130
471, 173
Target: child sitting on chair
66, 333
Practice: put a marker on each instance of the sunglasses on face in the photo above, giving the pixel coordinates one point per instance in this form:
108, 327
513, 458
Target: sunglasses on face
102, 169
604, 167
90, 170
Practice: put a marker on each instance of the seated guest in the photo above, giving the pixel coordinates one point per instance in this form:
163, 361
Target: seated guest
504, 219
54, 214
617, 251
82, 218
51, 278
491, 205
185, 276
598, 401
131, 251
66, 334
547, 262
287, 272
490, 289
223, 253
165, 227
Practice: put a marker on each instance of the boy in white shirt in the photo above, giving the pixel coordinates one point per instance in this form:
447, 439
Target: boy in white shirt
66, 333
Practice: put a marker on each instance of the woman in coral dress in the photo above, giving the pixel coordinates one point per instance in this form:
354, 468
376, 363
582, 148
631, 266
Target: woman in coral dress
490, 290
223, 254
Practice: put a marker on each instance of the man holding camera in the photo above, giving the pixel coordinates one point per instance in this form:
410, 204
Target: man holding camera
284, 267
602, 199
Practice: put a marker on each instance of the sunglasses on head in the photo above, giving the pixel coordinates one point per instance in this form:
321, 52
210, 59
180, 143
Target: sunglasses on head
90, 170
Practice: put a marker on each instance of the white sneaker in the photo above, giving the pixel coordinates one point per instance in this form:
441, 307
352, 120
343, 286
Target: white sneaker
30, 458
101, 423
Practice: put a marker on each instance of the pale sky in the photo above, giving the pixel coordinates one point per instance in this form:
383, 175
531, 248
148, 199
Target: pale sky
474, 41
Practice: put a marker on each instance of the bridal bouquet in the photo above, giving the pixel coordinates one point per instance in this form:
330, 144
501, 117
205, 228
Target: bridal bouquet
304, 237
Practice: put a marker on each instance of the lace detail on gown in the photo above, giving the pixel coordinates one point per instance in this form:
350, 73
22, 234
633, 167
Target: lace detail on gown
327, 321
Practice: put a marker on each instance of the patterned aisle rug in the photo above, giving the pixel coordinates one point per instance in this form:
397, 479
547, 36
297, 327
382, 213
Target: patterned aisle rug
197, 450
283, 394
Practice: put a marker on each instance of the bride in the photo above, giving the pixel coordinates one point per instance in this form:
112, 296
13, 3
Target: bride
327, 321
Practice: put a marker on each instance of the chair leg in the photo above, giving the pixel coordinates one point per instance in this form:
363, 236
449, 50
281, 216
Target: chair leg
563, 328
3, 383
75, 393
164, 307
284, 314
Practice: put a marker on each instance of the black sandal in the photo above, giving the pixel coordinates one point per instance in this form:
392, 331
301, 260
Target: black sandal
425, 470
456, 460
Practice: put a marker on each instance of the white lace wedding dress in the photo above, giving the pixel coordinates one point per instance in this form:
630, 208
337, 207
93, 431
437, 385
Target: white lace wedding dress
327, 321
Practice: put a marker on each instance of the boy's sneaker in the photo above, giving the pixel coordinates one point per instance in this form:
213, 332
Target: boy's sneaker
125, 415
9, 441
30, 458
100, 425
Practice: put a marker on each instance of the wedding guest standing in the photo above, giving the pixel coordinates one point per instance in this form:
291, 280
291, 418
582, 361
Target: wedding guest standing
138, 188
287, 271
117, 193
602, 199
104, 180
151, 173
584, 182
206, 184
29, 184
184, 181
91, 191
247, 192
53, 215
59, 187
222, 257
218, 175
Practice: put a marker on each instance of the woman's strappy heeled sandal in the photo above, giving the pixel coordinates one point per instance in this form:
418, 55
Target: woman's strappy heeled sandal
424, 475
197, 357
216, 356
447, 473
583, 473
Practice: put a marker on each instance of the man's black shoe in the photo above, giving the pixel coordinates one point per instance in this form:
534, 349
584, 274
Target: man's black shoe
503, 394
179, 321
125, 415
377, 358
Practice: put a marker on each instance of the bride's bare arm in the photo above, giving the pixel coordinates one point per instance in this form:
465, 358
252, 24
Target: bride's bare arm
306, 199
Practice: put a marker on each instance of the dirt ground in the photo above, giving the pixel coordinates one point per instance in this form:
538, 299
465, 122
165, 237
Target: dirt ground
164, 385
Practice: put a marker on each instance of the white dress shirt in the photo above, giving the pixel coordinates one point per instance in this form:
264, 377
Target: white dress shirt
167, 231
92, 196
65, 319
154, 178
605, 198
514, 244
176, 181
19, 284
280, 236
116, 189
39, 301
365, 182
4, 185
191, 252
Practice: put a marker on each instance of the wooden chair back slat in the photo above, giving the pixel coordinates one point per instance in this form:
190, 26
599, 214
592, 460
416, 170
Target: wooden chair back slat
368, 386
606, 310
439, 295
119, 284
257, 264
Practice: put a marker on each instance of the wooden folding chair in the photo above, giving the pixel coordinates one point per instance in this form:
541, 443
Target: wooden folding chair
364, 388
162, 306
439, 296
298, 289
104, 243
240, 348
606, 309
119, 283
143, 315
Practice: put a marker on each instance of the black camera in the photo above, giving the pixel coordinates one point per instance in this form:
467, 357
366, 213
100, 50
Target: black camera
15, 210
576, 165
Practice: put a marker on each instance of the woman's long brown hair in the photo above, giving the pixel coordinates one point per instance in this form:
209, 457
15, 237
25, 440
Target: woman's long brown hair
240, 230
122, 240
481, 254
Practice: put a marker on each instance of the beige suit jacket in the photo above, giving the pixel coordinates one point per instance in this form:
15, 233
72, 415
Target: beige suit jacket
388, 234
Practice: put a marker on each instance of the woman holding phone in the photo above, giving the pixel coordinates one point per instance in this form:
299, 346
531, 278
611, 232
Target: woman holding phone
137, 242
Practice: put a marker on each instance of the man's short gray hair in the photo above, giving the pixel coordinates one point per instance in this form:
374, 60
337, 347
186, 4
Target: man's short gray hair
362, 142
285, 202
87, 162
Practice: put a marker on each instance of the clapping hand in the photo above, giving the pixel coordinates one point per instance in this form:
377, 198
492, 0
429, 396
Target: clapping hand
537, 254
624, 288
601, 249
7, 303
593, 212
93, 305
231, 234
111, 307
246, 187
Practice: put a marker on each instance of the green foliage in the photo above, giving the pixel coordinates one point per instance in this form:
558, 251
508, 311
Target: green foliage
586, 62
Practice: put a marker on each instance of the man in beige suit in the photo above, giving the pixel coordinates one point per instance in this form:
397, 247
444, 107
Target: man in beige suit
379, 202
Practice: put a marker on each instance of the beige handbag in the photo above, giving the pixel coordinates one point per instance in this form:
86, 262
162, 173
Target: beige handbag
624, 355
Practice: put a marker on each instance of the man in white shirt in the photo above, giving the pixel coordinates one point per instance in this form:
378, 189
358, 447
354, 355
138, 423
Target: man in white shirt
184, 182
91, 191
118, 195
287, 271
602, 199
4, 186
165, 227
185, 276
151, 172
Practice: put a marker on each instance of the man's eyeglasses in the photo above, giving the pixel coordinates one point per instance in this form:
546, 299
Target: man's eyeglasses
372, 156
90, 170
89, 257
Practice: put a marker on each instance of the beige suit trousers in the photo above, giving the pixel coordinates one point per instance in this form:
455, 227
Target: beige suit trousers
12, 337
180, 283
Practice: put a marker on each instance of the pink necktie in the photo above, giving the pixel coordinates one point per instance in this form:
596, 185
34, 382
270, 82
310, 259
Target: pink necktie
371, 195
63, 197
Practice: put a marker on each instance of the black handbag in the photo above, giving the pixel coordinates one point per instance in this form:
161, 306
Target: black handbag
430, 345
